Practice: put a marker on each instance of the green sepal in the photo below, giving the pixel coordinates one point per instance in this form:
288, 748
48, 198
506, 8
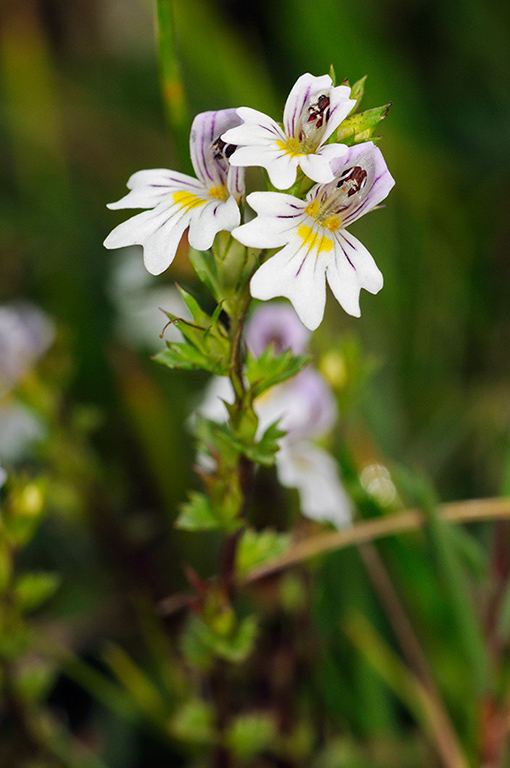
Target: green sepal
258, 547
360, 127
207, 344
358, 91
269, 369
197, 514
332, 75
33, 589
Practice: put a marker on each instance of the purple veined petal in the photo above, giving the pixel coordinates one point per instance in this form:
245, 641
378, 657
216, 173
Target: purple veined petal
276, 223
352, 269
235, 181
149, 188
340, 104
207, 127
378, 184
296, 273
314, 473
276, 324
213, 217
256, 129
303, 92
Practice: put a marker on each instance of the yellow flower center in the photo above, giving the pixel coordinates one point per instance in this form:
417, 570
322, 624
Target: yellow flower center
314, 240
291, 146
219, 193
320, 215
188, 200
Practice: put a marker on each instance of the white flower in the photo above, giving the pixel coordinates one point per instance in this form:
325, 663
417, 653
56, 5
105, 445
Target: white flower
316, 244
207, 205
20, 429
313, 111
305, 409
139, 303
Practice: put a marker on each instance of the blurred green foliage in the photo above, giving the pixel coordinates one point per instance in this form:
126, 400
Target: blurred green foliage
80, 111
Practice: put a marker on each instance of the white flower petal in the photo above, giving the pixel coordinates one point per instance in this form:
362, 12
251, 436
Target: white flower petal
148, 188
351, 269
315, 475
277, 226
256, 129
339, 107
296, 273
303, 91
317, 168
158, 231
211, 218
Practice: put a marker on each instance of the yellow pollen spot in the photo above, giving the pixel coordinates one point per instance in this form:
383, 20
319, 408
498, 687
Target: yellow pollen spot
292, 146
313, 240
332, 223
312, 209
188, 200
219, 193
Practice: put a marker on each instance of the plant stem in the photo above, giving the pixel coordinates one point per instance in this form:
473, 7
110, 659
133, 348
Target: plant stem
369, 530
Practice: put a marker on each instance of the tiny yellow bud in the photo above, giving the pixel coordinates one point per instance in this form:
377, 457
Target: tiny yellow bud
333, 368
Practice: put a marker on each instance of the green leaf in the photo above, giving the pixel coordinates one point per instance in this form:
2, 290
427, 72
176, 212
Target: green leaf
250, 734
34, 589
207, 344
256, 548
200, 643
269, 369
197, 514
264, 452
206, 270
360, 127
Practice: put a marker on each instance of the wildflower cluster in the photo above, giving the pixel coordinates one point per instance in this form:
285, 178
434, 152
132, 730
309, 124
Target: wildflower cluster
264, 406
305, 221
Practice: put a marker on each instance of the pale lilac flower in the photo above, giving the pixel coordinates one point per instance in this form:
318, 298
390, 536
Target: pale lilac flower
207, 204
25, 334
316, 244
313, 111
276, 324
